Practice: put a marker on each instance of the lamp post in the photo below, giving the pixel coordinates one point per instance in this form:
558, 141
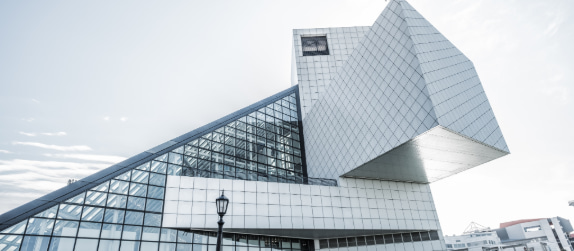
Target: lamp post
221, 204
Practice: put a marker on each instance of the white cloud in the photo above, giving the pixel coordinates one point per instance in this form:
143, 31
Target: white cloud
4, 151
54, 133
89, 157
28, 119
107, 118
554, 26
35, 100
24, 180
33, 134
54, 147
124, 119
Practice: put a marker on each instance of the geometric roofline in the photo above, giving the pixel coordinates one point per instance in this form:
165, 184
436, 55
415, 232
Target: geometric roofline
29, 209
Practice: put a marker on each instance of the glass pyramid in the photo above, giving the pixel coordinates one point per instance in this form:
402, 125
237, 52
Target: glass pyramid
262, 142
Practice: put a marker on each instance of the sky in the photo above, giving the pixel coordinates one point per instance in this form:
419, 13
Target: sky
86, 84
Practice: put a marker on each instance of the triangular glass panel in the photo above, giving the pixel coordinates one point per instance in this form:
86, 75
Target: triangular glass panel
16, 229
78, 199
49, 213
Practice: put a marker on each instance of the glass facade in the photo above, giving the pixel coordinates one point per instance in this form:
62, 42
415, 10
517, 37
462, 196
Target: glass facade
125, 213
378, 239
264, 145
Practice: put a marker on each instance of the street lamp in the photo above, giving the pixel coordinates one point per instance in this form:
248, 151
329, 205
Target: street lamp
221, 204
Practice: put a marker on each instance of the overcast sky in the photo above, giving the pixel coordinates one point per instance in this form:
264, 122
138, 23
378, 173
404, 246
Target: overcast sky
85, 84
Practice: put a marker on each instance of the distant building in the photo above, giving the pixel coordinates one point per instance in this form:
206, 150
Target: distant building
473, 241
571, 203
549, 234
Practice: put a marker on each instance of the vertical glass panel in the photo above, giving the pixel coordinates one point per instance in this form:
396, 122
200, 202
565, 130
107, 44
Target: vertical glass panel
130, 246
86, 244
49, 213
111, 231
227, 239
157, 179
149, 246
174, 170
89, 229
361, 241
136, 203
397, 238
190, 162
296, 245
184, 247
16, 229
352, 242
155, 192
109, 245
253, 241
78, 199
62, 244
434, 235
153, 220
96, 198
158, 167
40, 226
138, 190
167, 246
388, 238
65, 228
205, 144
184, 237
240, 239
416, 236
35, 243
132, 233
114, 216
379, 239
168, 235
150, 234
116, 200
154, 205
139, 176
120, 187
333, 243
190, 150
134, 218
175, 158
407, 237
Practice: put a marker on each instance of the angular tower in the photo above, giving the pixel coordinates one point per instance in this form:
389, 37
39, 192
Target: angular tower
341, 160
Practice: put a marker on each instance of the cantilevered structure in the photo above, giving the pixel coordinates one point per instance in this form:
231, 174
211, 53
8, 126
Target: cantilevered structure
341, 160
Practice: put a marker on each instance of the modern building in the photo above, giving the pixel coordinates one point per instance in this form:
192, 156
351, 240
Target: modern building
546, 234
477, 241
341, 160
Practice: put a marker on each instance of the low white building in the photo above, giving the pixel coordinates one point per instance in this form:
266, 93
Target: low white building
473, 241
546, 234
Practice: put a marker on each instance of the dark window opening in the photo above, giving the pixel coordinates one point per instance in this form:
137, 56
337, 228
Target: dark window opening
313, 46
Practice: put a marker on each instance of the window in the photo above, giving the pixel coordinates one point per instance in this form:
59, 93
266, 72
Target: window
313, 46
532, 229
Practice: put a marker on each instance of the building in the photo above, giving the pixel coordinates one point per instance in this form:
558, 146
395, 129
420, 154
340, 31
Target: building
477, 241
531, 234
341, 159
571, 203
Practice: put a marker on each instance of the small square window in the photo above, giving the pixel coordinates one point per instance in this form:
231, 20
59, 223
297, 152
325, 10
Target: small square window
316, 45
